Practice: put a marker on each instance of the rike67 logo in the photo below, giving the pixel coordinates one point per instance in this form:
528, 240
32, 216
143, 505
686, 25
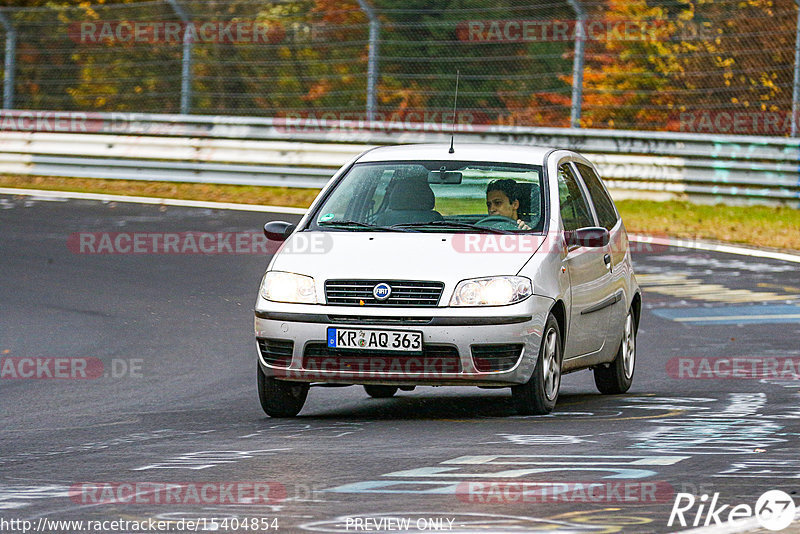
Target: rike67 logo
774, 510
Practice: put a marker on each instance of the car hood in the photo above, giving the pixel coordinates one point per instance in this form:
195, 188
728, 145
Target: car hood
409, 256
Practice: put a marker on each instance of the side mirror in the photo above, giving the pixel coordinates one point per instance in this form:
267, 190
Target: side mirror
278, 230
592, 237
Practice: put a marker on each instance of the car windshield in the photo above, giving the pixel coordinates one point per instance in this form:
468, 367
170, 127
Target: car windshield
437, 196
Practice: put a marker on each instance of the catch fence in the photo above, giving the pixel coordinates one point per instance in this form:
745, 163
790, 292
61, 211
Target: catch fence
711, 67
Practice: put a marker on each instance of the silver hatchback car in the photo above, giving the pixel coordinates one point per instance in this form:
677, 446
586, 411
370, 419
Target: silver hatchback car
484, 265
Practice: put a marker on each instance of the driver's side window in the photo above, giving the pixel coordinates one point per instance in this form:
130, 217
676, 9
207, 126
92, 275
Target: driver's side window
574, 209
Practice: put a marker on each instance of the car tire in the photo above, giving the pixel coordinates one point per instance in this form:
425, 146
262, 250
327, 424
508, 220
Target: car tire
380, 392
280, 398
617, 377
538, 396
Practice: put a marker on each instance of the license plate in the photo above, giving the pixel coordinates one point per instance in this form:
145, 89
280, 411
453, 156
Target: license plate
361, 339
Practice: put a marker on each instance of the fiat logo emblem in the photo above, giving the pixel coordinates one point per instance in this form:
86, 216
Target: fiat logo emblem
382, 291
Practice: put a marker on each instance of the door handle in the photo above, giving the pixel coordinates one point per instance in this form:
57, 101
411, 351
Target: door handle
607, 260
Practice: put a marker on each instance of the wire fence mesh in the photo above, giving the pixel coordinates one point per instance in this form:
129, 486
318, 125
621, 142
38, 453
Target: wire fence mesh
709, 66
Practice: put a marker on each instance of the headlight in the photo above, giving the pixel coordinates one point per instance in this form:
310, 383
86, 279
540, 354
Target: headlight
491, 291
279, 286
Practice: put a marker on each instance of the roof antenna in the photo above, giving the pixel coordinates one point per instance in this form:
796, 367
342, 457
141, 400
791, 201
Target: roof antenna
455, 101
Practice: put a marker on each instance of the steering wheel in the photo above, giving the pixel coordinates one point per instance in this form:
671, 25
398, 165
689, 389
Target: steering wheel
498, 222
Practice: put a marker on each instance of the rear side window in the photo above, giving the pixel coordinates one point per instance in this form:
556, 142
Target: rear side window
574, 209
603, 204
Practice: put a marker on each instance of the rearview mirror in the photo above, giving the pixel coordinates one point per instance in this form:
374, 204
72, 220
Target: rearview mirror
591, 236
444, 177
278, 230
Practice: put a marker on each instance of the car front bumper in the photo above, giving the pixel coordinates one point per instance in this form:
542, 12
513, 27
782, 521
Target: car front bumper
449, 337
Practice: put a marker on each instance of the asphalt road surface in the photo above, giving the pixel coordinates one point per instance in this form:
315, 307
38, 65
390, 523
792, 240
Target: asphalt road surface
160, 387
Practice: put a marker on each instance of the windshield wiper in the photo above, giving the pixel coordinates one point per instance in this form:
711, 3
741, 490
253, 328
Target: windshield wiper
366, 226
452, 224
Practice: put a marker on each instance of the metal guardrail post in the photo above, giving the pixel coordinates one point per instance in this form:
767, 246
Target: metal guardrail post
10, 62
186, 60
796, 85
372, 62
577, 64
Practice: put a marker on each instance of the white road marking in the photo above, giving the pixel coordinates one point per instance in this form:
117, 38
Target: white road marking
714, 247
737, 317
679, 285
51, 195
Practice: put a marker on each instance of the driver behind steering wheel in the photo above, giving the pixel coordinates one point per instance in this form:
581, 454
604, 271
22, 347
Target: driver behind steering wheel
502, 199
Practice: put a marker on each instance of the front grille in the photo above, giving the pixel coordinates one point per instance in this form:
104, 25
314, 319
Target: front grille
435, 360
373, 320
488, 358
405, 293
276, 352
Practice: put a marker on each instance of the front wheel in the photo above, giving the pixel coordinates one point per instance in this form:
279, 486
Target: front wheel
380, 392
539, 395
618, 376
280, 398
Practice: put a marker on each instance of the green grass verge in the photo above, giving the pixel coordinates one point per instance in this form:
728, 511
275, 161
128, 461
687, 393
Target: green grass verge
762, 226
751, 225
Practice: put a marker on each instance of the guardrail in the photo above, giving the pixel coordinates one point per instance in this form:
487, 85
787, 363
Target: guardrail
304, 153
